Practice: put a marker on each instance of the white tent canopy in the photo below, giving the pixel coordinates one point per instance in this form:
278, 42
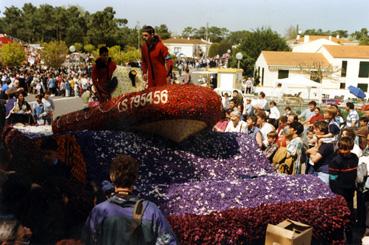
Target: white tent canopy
298, 82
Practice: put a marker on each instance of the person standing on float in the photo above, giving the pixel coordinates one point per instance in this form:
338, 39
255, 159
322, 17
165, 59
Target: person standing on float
102, 72
156, 62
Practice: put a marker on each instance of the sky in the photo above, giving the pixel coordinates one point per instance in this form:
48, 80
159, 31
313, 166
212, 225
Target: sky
233, 14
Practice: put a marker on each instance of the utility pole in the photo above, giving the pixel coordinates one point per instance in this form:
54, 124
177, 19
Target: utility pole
207, 31
138, 35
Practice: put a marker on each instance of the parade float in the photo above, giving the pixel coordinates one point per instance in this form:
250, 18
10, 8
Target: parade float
213, 187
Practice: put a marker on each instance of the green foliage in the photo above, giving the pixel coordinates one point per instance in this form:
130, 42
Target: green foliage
116, 54
219, 48
214, 33
78, 46
12, 54
131, 54
162, 31
188, 32
362, 36
89, 48
213, 50
54, 53
254, 43
291, 33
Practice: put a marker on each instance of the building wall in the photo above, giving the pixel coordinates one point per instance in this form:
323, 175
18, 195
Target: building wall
352, 72
187, 50
312, 47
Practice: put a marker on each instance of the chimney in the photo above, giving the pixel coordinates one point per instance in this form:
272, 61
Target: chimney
306, 38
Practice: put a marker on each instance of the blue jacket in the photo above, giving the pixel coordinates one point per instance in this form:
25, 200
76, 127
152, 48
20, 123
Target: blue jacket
110, 223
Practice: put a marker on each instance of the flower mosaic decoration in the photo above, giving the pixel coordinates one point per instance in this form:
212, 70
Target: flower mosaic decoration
213, 187
172, 102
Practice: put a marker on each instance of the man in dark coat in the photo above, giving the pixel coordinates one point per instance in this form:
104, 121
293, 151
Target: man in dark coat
102, 72
156, 62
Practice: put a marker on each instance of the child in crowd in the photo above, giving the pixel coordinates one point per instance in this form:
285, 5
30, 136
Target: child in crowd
39, 110
311, 138
343, 171
333, 128
362, 132
272, 146
287, 111
253, 131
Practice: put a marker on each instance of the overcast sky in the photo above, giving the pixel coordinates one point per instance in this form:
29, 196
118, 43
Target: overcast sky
233, 14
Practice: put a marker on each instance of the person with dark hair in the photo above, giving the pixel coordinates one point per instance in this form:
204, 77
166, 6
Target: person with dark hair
156, 62
261, 102
320, 155
350, 132
20, 111
295, 146
102, 72
287, 111
342, 174
352, 118
362, 132
123, 218
13, 199
264, 126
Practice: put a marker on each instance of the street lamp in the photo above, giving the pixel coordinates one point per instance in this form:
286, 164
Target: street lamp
239, 57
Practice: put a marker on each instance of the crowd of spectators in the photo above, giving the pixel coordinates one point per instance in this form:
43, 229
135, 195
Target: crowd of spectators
318, 141
43, 83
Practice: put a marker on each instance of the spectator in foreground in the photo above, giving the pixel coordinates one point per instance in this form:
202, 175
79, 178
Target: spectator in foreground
123, 218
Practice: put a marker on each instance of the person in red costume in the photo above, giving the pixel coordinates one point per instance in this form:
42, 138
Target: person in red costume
156, 63
102, 72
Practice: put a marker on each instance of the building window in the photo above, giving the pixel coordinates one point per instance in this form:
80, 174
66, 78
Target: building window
282, 74
262, 76
364, 69
342, 85
344, 68
314, 76
363, 86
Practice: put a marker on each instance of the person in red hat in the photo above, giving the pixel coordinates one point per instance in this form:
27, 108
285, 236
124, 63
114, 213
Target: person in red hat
102, 72
156, 62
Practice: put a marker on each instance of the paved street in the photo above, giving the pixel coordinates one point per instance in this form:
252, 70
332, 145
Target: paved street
63, 105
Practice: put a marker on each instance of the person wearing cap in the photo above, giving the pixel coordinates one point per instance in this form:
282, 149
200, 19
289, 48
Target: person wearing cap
236, 125
156, 62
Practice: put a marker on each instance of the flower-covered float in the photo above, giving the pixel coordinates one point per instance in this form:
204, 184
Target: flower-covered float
215, 188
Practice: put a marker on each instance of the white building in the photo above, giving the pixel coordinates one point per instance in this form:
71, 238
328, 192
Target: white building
339, 62
272, 66
350, 65
188, 47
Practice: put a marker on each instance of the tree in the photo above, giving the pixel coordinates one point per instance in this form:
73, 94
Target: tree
254, 43
12, 54
103, 28
162, 31
214, 33
214, 50
291, 33
89, 48
188, 32
78, 46
361, 36
54, 53
236, 37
